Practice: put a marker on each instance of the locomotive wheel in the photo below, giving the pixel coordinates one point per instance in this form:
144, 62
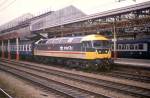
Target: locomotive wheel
91, 66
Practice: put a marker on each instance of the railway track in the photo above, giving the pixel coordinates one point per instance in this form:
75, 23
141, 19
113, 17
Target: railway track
3, 94
129, 75
109, 85
61, 88
124, 74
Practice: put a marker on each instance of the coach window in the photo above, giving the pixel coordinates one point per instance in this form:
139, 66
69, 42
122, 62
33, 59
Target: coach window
12, 47
22, 47
136, 47
29, 47
26, 48
131, 47
127, 46
140, 46
119, 46
123, 47
19, 47
112, 47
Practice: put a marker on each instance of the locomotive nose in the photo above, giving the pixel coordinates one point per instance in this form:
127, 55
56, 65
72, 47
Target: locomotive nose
103, 53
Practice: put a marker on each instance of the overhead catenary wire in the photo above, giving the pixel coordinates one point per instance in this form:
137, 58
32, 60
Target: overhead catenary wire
8, 5
3, 3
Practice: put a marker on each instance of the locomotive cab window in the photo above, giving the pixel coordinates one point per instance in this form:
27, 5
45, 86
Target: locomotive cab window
98, 43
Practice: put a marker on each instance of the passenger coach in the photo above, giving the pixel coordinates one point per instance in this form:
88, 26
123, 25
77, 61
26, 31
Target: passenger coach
138, 48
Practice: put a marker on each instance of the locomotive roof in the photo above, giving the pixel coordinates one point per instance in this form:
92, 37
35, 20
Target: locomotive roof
94, 37
78, 39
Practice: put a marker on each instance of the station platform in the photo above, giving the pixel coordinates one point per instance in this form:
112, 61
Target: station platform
133, 62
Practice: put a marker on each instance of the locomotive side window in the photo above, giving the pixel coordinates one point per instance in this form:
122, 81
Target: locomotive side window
88, 44
56, 41
64, 41
76, 40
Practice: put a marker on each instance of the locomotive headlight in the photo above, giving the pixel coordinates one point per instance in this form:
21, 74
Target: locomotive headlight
99, 51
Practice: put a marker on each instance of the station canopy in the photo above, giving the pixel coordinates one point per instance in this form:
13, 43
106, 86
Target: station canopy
57, 18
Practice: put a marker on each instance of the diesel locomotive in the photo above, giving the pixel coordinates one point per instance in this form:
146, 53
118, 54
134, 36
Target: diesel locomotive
84, 51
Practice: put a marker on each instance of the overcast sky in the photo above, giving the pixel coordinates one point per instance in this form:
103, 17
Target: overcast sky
10, 9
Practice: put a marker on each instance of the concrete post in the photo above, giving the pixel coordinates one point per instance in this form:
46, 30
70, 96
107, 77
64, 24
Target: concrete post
8, 47
115, 38
2, 48
17, 49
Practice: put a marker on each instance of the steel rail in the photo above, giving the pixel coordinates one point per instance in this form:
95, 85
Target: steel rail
6, 94
123, 88
71, 93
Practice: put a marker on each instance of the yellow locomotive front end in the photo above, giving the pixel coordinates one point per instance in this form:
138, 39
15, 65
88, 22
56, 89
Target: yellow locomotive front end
99, 52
